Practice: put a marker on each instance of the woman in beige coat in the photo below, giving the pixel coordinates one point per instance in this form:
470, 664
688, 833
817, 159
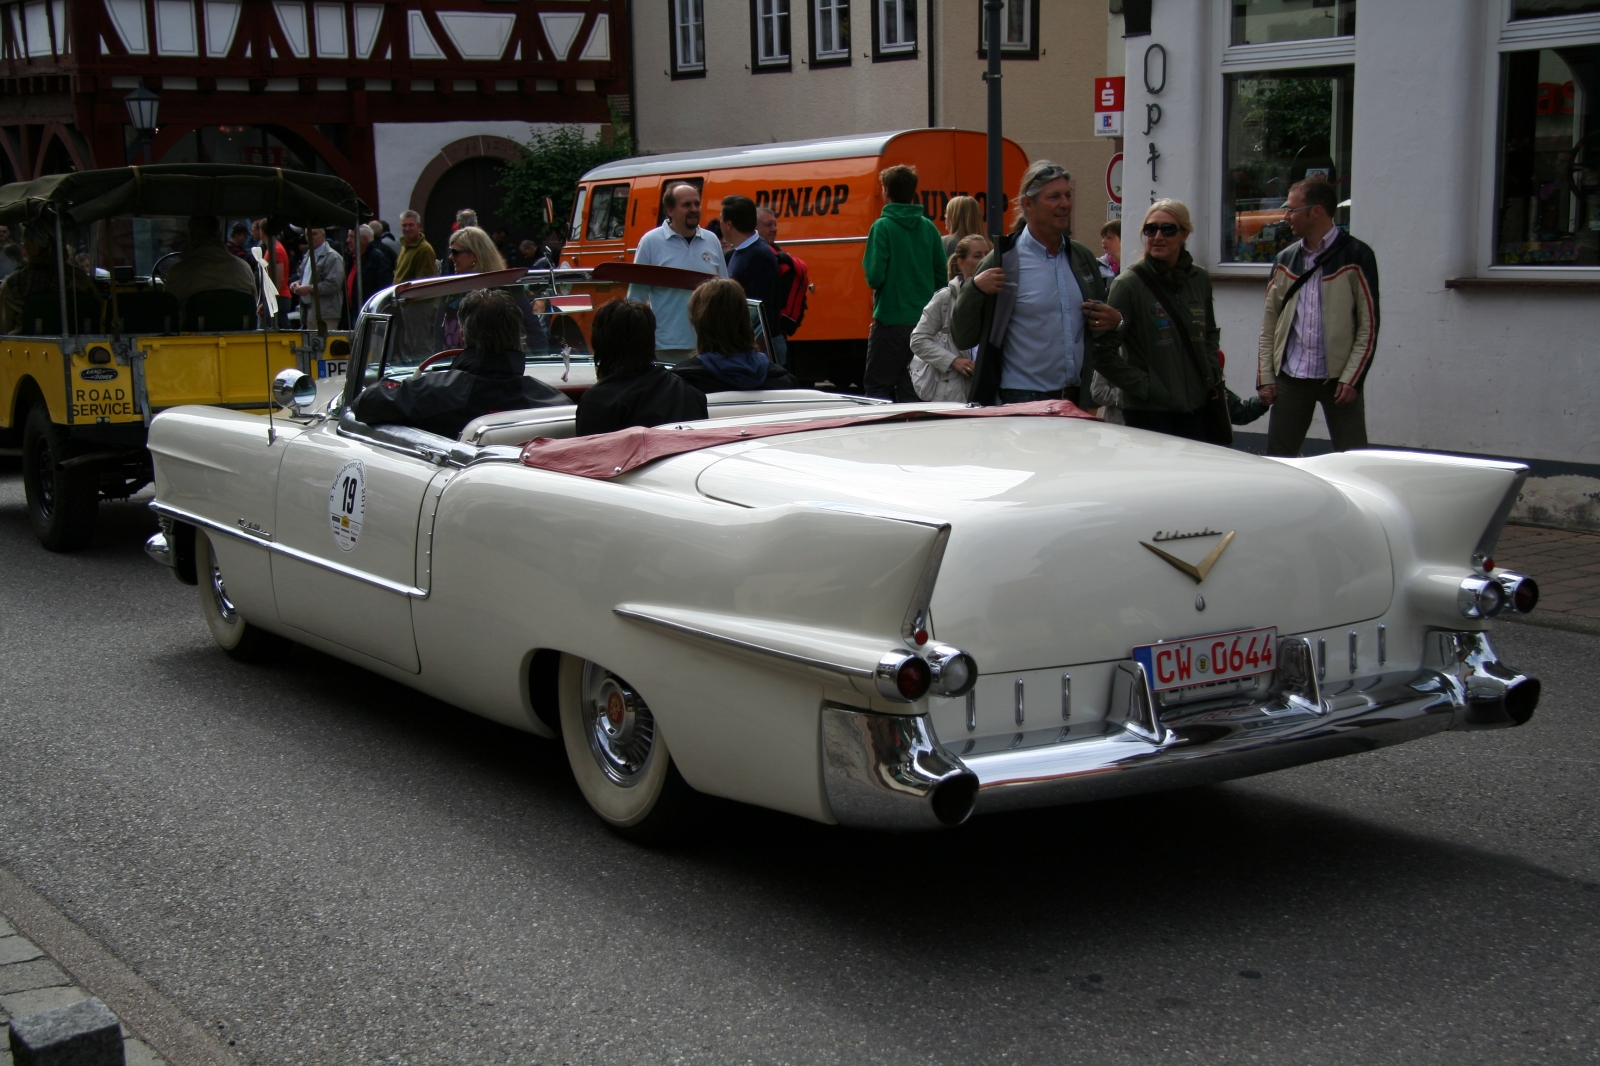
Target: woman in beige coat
939, 370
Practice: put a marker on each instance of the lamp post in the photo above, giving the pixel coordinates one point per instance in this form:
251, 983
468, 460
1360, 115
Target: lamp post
996, 198
144, 110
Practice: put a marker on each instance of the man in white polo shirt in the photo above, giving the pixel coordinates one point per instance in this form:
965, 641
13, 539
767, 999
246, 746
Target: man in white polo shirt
677, 242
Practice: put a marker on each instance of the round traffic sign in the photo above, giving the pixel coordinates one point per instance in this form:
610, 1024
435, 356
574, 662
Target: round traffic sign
1114, 178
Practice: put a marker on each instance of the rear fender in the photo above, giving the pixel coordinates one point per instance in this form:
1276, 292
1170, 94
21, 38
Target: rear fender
1442, 514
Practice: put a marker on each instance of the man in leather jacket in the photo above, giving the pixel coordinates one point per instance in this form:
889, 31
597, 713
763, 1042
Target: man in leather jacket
488, 376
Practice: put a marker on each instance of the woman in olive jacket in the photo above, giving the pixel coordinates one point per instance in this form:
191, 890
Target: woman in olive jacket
1165, 383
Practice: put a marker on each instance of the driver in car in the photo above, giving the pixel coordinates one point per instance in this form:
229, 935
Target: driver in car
488, 376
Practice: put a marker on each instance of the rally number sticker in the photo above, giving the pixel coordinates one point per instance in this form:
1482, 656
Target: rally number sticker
347, 502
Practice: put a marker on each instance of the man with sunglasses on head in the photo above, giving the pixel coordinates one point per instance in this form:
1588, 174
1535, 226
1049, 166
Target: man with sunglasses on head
1036, 306
1320, 328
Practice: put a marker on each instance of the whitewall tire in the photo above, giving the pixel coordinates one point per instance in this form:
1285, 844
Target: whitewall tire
618, 755
233, 634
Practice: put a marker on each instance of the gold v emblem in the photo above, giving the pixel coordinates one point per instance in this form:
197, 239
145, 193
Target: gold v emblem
1197, 572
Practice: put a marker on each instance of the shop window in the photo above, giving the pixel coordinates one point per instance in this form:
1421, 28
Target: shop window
830, 31
1543, 9
1019, 30
608, 212
894, 29
1281, 127
769, 32
1265, 21
1548, 211
688, 38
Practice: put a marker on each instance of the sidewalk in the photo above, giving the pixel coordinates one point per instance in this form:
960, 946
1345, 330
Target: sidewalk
31, 982
1566, 564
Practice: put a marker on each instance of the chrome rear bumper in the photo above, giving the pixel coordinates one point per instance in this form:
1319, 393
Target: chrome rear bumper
889, 771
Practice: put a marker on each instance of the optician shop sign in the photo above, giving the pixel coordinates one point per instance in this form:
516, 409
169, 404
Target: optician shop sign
1108, 94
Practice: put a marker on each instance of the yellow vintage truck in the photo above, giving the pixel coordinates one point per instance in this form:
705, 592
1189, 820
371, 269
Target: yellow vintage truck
81, 376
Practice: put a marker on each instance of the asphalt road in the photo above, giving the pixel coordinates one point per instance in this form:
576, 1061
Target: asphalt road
328, 868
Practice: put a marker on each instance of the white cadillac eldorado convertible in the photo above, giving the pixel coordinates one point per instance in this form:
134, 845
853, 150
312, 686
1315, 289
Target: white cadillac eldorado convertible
878, 615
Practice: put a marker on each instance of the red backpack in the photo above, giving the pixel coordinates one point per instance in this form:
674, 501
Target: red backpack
794, 281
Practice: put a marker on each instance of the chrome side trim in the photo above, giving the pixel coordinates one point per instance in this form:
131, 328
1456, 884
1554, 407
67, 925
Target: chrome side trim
888, 771
1066, 697
193, 519
972, 710
1021, 695
743, 645
1383, 643
1355, 639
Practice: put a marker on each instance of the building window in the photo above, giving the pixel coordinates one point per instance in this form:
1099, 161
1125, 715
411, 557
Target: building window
769, 34
688, 38
1019, 30
1266, 21
1547, 211
1543, 9
1280, 128
894, 29
830, 31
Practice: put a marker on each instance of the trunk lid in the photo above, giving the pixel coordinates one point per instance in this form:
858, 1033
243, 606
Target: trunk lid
1047, 564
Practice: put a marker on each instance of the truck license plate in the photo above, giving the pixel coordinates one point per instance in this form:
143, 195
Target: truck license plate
1202, 660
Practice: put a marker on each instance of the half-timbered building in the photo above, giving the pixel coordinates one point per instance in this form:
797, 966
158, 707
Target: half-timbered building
413, 102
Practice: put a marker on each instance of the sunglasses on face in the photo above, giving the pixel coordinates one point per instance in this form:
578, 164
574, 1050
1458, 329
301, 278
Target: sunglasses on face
458, 251
1166, 229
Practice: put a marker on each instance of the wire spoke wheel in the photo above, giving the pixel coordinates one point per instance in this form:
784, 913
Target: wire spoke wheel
618, 754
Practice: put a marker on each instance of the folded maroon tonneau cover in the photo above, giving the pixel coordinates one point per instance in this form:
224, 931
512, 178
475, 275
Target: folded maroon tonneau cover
607, 455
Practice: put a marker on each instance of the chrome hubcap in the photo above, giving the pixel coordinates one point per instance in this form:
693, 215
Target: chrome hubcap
219, 592
620, 728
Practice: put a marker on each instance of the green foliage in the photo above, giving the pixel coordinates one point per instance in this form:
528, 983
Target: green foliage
1291, 113
550, 165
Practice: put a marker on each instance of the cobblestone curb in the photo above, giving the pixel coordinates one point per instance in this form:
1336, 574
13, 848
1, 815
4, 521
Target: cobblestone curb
31, 982
46, 961
1566, 564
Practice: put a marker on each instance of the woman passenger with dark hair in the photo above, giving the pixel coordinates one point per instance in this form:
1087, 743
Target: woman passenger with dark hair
726, 358
488, 376
632, 390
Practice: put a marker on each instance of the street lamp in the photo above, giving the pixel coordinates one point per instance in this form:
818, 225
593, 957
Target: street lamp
144, 108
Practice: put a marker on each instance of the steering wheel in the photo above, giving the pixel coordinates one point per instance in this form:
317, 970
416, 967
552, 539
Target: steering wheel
155, 271
448, 353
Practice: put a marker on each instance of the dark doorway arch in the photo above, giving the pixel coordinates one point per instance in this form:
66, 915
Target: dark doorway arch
471, 183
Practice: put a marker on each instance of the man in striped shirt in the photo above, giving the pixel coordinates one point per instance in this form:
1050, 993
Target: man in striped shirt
1320, 328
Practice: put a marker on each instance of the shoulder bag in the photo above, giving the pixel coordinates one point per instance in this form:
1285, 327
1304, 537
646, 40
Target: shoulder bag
1214, 412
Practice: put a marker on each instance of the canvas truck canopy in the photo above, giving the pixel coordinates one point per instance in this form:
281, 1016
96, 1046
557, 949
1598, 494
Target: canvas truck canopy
182, 189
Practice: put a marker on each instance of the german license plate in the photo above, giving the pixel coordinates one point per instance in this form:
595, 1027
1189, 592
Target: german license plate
1202, 660
332, 368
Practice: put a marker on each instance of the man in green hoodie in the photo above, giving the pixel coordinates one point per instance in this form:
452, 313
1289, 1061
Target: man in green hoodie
905, 265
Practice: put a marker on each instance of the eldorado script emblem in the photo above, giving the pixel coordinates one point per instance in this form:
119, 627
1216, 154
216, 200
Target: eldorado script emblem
1198, 572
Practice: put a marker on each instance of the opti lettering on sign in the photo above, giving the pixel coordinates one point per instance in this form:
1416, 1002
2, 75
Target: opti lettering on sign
803, 201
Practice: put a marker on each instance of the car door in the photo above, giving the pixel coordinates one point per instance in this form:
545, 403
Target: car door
349, 503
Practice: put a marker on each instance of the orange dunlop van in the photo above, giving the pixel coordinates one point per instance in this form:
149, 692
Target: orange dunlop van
826, 195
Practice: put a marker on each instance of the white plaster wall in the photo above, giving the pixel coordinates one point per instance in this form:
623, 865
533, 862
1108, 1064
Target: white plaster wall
403, 149
1510, 372
732, 106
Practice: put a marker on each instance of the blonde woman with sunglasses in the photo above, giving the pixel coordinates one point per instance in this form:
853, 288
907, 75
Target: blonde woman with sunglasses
1167, 366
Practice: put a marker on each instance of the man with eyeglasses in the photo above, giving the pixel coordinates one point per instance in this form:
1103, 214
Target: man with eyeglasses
1320, 328
1036, 306
677, 242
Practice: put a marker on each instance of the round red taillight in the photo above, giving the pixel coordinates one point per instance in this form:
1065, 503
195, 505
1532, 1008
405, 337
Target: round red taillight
913, 678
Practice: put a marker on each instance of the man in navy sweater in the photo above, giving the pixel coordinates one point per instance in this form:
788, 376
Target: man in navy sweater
753, 264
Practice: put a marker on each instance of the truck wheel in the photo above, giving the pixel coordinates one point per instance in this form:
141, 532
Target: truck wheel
240, 639
61, 503
619, 756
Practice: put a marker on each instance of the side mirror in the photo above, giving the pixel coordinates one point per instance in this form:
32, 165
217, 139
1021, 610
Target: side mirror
293, 390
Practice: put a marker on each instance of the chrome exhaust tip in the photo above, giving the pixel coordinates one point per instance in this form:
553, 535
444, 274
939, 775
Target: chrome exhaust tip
888, 771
